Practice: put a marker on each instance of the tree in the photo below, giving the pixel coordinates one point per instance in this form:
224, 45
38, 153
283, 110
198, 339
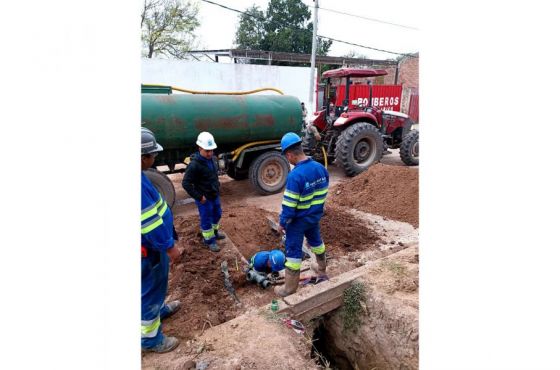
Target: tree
250, 31
168, 27
285, 27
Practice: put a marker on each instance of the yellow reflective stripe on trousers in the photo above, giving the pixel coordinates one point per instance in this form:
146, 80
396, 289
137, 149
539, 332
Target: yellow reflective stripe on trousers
289, 204
293, 263
208, 234
150, 328
291, 194
319, 249
216, 226
152, 225
151, 210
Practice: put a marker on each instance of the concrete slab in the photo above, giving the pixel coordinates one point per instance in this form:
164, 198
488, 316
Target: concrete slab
314, 301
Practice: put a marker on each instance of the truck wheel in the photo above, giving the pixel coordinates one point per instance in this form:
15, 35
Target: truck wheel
358, 147
237, 173
268, 172
409, 148
163, 185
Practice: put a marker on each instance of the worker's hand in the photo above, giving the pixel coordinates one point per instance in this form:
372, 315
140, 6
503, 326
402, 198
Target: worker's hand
203, 200
174, 254
281, 229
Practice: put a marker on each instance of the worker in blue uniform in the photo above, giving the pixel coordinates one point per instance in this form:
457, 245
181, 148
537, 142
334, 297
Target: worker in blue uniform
158, 247
267, 262
202, 184
302, 209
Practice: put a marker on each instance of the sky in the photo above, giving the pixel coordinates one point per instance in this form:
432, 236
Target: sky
218, 25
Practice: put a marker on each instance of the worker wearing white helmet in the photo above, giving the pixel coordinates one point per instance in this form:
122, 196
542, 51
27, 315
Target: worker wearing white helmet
202, 184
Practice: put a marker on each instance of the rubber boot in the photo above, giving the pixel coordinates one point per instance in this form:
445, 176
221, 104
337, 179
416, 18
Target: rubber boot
168, 344
291, 282
320, 267
214, 247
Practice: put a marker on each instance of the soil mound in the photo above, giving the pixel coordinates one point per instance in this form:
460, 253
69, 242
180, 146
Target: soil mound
390, 191
343, 232
198, 282
250, 231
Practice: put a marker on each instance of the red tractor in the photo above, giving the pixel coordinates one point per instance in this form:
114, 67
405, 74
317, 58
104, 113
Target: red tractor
357, 134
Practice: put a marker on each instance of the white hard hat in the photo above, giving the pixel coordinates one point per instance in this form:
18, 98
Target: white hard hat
206, 141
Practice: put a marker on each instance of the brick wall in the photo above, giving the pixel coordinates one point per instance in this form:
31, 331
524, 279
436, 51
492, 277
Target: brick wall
408, 74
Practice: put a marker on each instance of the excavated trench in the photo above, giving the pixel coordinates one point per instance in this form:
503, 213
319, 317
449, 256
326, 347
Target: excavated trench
324, 353
199, 282
386, 336
360, 227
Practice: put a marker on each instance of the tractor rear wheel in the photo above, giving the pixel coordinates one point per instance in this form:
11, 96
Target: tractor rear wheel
358, 147
308, 143
410, 148
269, 172
163, 185
312, 149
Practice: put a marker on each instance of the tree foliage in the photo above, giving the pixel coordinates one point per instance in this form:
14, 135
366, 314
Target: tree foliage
286, 27
168, 27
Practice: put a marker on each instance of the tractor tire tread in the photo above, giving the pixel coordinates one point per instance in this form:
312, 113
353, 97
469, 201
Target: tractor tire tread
406, 148
345, 154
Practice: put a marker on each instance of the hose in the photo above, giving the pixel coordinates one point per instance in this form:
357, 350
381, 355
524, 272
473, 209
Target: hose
218, 92
238, 151
324, 155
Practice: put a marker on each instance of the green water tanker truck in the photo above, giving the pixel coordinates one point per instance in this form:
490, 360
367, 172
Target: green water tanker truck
247, 129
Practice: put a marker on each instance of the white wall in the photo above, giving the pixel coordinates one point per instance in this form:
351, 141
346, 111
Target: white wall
210, 76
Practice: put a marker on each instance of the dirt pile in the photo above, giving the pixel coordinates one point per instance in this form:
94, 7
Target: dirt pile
198, 282
343, 232
250, 231
390, 191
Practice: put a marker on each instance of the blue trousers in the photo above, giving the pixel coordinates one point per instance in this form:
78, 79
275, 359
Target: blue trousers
295, 232
154, 289
210, 214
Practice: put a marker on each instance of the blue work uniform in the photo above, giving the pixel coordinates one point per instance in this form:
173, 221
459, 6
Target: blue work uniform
157, 238
302, 209
201, 179
259, 262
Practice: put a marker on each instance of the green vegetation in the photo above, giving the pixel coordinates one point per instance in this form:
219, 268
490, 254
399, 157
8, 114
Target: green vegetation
352, 308
286, 26
168, 27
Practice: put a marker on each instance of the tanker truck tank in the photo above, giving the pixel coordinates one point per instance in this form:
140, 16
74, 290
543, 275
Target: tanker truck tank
247, 130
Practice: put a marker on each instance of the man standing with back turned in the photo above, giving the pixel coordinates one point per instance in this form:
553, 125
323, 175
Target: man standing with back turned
158, 246
302, 209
